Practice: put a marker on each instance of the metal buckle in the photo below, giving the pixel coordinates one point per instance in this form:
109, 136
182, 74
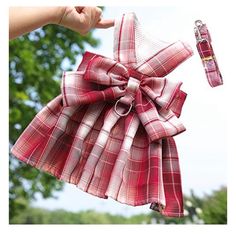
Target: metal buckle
124, 114
208, 58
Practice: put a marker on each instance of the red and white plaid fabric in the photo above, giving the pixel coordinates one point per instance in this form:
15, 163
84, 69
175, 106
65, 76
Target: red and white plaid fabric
207, 54
110, 132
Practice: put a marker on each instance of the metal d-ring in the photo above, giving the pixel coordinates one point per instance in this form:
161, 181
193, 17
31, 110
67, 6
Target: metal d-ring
198, 23
120, 114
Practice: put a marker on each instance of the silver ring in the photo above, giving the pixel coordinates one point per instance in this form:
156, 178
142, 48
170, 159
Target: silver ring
120, 114
198, 23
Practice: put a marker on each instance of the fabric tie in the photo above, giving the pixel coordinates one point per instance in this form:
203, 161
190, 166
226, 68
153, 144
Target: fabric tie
157, 101
207, 54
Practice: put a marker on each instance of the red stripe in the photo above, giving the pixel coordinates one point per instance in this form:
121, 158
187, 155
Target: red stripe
87, 72
109, 71
111, 68
64, 90
121, 26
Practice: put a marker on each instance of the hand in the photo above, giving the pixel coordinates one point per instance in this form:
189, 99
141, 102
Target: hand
83, 19
80, 19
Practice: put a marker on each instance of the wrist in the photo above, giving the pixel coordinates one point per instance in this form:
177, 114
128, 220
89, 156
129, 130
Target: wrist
57, 14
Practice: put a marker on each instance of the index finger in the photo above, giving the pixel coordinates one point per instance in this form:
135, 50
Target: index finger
103, 24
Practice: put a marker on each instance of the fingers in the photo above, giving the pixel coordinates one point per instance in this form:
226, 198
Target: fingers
98, 11
83, 18
79, 9
104, 24
96, 16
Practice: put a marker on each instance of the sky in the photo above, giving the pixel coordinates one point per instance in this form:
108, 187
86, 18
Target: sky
203, 146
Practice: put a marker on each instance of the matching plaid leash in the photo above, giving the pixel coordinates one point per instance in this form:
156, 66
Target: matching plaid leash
206, 52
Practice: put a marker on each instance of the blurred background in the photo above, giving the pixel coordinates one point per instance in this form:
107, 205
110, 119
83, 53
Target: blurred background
36, 62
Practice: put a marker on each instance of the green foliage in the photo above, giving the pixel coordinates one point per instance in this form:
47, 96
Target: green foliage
36, 62
215, 208
211, 209
42, 216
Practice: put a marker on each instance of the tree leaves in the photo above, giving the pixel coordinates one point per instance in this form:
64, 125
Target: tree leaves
215, 208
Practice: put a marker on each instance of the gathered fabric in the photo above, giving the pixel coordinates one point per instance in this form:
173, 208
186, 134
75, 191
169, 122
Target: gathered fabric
110, 131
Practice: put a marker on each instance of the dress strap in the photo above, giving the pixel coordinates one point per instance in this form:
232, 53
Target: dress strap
166, 60
124, 39
140, 51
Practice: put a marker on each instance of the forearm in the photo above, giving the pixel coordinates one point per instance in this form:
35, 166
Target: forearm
25, 19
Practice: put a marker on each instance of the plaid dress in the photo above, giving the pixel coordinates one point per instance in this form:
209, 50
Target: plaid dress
110, 131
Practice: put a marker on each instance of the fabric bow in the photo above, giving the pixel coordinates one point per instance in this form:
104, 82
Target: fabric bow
157, 101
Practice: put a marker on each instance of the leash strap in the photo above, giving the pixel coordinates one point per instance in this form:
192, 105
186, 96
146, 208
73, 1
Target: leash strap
206, 52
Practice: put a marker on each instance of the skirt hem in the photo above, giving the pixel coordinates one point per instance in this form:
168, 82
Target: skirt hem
104, 196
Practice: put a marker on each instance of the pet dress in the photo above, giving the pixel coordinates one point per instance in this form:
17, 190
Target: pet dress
110, 131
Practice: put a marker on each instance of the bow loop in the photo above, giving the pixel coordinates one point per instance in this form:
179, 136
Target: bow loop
161, 90
105, 71
157, 121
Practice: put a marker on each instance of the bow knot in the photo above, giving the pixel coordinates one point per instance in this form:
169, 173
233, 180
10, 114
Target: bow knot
130, 94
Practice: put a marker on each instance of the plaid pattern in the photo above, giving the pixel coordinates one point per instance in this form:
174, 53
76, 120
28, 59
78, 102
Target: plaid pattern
80, 138
207, 55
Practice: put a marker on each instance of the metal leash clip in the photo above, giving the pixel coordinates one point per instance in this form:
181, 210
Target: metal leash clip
197, 28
